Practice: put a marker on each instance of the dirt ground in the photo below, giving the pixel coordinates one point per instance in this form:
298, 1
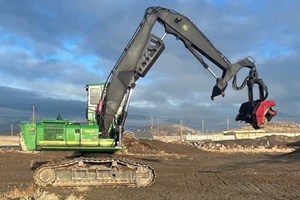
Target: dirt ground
183, 172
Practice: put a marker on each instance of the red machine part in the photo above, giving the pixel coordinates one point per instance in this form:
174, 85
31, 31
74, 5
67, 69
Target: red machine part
263, 113
99, 107
256, 113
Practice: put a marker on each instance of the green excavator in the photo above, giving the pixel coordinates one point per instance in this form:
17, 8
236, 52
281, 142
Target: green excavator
107, 106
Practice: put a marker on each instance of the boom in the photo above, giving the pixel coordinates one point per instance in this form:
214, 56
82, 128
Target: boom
143, 50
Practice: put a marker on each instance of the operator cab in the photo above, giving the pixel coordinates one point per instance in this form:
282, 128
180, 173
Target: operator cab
94, 92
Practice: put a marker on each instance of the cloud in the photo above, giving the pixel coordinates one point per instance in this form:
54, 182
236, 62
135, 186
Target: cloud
17, 104
50, 50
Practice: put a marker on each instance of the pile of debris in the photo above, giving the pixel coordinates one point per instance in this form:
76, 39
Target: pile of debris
275, 127
217, 147
268, 144
135, 146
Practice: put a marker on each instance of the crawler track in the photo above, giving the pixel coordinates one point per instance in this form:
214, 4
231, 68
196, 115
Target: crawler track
109, 172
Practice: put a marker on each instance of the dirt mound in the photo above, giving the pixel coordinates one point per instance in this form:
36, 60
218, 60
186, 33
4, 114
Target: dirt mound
136, 146
141, 146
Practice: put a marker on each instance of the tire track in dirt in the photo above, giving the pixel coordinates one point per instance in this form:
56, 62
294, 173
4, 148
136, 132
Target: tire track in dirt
186, 183
274, 184
246, 185
271, 186
211, 181
223, 185
239, 183
198, 180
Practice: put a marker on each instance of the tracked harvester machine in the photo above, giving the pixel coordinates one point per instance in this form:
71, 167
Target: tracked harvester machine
63, 135
108, 103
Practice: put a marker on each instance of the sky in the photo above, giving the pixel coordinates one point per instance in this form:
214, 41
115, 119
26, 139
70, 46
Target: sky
50, 49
